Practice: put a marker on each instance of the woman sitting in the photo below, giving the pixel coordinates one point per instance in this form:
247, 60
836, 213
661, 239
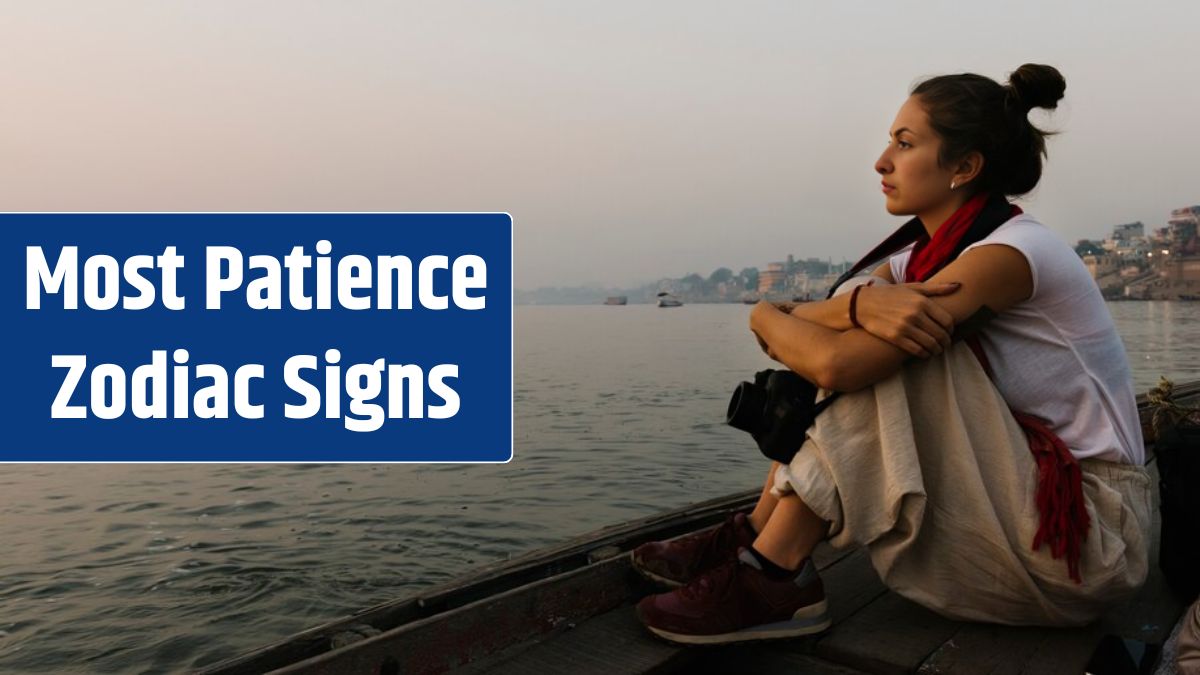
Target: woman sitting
998, 478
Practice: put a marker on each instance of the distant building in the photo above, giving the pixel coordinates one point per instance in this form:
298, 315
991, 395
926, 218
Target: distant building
1088, 247
1102, 264
1129, 231
1182, 229
1187, 213
771, 278
1174, 258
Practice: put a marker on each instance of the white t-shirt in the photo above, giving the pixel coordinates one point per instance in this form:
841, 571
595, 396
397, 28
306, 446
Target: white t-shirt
1057, 355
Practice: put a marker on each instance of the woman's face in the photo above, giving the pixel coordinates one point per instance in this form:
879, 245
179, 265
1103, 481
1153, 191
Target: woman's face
913, 183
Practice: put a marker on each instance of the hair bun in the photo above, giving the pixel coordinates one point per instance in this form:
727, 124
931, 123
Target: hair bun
1036, 86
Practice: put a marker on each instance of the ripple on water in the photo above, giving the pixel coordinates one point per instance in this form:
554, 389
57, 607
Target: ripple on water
248, 488
143, 506
234, 508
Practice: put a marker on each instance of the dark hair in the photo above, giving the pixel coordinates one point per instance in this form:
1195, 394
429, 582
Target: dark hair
975, 113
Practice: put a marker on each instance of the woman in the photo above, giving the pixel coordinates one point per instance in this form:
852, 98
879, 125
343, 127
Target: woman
995, 479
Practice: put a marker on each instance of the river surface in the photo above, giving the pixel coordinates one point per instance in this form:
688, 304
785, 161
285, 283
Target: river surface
619, 413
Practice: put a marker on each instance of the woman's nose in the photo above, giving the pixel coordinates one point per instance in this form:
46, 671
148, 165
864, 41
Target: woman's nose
883, 165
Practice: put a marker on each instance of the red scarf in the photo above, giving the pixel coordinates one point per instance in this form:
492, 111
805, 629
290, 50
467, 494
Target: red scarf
1062, 520
931, 254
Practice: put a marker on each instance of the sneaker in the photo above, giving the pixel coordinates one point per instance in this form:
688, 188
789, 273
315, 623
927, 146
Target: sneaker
736, 602
676, 562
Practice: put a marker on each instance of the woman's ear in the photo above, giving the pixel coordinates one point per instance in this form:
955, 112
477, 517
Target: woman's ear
969, 168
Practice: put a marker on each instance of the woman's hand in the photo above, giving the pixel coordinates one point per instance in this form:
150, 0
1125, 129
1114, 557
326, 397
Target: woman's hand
905, 316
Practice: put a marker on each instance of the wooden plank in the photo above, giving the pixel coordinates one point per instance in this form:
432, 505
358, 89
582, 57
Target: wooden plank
851, 585
890, 635
769, 659
1007, 650
615, 642
472, 632
562, 656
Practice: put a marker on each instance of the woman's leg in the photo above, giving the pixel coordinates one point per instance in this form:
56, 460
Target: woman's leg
766, 502
787, 529
791, 532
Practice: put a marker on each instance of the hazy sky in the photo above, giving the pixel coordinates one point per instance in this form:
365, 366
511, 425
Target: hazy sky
628, 140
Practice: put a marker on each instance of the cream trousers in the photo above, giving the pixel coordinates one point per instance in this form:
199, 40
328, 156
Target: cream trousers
930, 472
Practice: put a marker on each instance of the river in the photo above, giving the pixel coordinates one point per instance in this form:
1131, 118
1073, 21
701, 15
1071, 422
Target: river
619, 413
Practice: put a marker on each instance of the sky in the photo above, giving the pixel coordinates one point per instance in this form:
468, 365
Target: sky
629, 140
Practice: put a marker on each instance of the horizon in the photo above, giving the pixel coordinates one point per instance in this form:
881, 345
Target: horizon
627, 141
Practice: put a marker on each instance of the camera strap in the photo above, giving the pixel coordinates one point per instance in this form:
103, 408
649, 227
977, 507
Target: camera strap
994, 212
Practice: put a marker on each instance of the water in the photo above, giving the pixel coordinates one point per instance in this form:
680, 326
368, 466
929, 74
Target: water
162, 568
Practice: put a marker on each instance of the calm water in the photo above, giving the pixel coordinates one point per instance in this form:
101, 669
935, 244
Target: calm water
619, 413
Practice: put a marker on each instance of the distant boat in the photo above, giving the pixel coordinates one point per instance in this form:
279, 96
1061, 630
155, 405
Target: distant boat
668, 300
616, 300
749, 300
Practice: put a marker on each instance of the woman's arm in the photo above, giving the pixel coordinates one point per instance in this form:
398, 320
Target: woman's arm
835, 312
902, 315
995, 276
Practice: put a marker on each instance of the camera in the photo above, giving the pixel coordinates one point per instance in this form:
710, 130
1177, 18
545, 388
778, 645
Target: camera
776, 410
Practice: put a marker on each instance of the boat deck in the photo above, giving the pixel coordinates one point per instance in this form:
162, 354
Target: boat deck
569, 609
874, 631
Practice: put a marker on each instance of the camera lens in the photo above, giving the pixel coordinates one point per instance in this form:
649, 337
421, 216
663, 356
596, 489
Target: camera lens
746, 407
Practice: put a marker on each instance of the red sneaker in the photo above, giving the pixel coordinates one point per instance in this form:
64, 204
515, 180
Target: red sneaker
676, 562
736, 602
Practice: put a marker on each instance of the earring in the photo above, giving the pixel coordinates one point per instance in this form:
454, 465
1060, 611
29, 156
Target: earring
952, 185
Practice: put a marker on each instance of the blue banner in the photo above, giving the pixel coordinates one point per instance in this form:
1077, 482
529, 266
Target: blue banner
257, 337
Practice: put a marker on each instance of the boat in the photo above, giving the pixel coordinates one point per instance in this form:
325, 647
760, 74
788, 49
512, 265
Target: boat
749, 300
667, 300
569, 608
616, 300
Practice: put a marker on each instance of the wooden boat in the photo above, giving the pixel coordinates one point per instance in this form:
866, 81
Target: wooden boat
616, 300
568, 609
